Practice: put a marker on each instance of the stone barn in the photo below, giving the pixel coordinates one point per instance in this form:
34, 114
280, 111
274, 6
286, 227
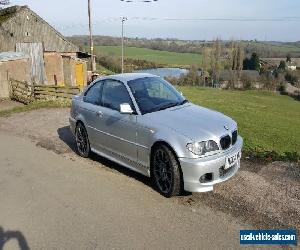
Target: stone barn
13, 65
22, 30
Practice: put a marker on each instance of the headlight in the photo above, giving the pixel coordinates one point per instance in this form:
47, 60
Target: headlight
201, 148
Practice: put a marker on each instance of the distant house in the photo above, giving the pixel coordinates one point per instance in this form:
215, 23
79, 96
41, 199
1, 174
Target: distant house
276, 61
54, 59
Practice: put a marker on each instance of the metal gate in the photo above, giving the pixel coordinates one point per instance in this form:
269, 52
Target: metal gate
36, 53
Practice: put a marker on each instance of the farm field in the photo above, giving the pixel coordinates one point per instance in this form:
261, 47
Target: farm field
285, 47
267, 121
279, 47
157, 56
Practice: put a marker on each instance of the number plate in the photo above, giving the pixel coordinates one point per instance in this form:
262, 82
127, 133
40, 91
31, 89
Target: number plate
232, 160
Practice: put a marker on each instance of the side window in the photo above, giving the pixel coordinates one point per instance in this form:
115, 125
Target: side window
115, 93
93, 95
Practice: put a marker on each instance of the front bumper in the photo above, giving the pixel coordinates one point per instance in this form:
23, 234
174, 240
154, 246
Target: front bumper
194, 169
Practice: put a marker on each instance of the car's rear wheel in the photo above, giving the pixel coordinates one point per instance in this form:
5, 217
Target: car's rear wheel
165, 171
82, 141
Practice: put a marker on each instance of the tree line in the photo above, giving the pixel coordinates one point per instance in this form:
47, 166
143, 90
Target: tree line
174, 45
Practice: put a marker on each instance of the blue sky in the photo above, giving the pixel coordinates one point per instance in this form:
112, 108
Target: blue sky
70, 18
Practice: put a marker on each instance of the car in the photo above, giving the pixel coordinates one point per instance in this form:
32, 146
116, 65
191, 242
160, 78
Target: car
142, 122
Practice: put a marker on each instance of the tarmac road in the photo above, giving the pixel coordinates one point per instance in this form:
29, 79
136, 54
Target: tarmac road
50, 202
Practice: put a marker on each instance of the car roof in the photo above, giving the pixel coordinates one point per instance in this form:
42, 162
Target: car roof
128, 76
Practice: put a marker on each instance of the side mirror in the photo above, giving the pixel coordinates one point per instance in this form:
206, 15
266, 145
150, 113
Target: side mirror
125, 108
181, 93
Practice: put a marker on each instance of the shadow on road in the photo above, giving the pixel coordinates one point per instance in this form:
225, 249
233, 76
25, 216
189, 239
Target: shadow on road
67, 137
6, 236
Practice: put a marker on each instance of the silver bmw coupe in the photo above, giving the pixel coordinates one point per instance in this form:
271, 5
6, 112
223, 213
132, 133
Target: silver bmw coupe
143, 123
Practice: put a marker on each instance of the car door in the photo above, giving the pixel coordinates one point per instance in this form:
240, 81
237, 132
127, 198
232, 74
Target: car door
118, 130
91, 110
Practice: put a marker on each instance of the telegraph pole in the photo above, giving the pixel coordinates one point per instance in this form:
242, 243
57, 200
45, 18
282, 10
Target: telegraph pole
124, 19
91, 37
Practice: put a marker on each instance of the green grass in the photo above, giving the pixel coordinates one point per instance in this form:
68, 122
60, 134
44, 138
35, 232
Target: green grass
35, 105
268, 122
156, 56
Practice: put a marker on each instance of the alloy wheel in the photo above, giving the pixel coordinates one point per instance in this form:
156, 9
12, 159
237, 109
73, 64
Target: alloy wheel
163, 171
82, 140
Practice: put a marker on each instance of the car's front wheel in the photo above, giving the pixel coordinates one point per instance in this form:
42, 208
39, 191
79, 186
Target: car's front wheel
82, 141
165, 171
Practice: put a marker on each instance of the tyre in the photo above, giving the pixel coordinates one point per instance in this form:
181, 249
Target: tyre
82, 141
165, 172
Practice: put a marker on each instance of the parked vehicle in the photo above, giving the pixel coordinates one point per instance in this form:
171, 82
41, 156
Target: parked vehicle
142, 122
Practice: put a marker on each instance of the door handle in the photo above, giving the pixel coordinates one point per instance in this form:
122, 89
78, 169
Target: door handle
99, 114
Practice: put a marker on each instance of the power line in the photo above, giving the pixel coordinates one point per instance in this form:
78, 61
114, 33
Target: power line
244, 19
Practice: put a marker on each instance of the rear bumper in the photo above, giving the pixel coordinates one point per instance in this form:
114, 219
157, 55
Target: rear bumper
194, 169
72, 122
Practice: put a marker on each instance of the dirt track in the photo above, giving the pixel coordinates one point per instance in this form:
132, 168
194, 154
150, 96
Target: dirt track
265, 196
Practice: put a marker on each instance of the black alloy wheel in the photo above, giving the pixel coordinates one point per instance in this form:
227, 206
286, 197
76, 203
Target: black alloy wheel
165, 171
82, 141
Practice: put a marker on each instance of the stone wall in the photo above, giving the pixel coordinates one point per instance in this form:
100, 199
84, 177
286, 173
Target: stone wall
14, 69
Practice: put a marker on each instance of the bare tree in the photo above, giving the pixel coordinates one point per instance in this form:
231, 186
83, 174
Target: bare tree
236, 62
237, 56
205, 62
215, 61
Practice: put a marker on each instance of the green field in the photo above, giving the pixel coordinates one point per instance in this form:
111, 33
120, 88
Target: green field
157, 56
284, 47
267, 121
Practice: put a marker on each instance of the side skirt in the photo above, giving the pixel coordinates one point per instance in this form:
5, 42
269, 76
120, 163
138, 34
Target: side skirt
123, 161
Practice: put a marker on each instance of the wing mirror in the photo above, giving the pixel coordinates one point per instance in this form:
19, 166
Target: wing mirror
125, 108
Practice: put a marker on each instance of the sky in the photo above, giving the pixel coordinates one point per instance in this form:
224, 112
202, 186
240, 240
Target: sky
264, 20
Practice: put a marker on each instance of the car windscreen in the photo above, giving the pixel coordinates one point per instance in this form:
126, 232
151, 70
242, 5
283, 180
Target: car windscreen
154, 94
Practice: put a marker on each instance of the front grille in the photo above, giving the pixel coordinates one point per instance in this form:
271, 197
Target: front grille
234, 137
225, 142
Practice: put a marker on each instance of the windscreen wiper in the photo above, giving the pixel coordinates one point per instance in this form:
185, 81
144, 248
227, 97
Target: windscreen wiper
183, 102
169, 105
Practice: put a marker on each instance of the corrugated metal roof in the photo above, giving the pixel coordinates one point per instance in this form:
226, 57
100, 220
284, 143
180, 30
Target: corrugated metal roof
10, 56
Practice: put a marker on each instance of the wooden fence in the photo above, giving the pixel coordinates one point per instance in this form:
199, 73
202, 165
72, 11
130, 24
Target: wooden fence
26, 93
47, 92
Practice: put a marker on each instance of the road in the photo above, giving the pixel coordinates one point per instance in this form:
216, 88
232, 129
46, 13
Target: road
50, 202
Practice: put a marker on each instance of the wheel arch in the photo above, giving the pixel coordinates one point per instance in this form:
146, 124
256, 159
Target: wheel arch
162, 142
80, 119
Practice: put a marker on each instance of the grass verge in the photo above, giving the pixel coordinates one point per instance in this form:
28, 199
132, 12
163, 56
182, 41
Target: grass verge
35, 105
268, 122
